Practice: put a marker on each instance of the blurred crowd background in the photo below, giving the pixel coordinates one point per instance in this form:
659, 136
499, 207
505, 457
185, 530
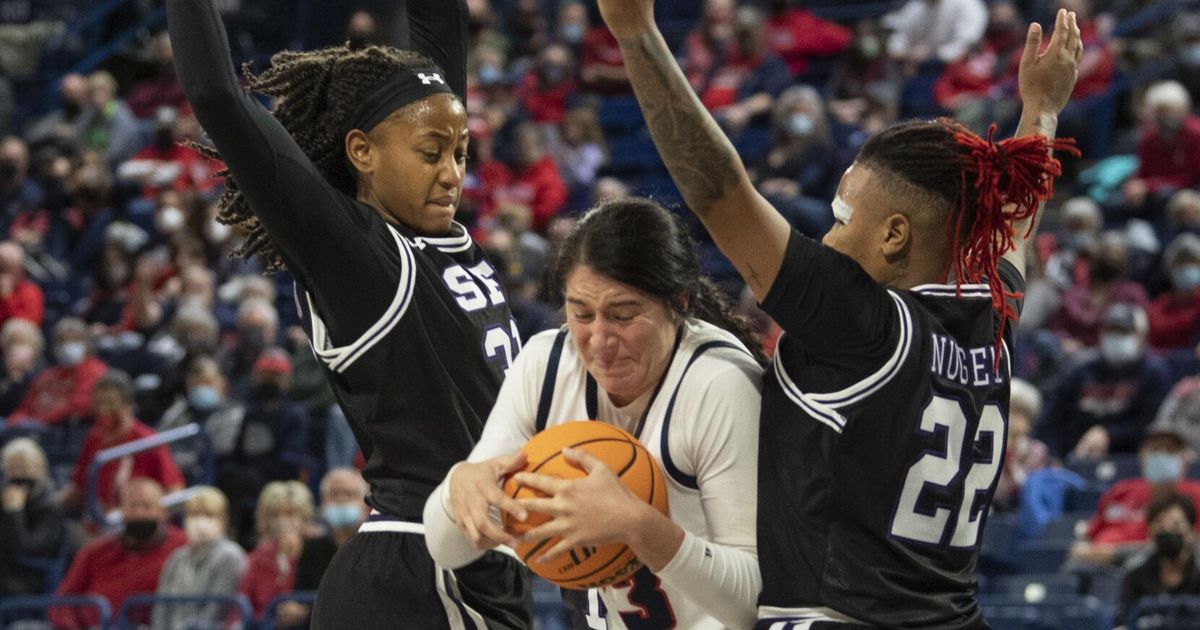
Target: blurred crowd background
125, 319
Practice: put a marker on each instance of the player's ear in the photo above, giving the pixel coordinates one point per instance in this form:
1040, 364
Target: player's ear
359, 151
897, 235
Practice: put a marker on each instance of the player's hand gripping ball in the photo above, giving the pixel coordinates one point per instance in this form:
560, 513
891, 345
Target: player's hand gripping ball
585, 567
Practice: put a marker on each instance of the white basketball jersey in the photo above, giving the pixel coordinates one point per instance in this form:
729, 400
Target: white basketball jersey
671, 427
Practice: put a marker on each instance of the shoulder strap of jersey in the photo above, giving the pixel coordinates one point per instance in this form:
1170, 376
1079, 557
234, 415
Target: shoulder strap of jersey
547, 397
686, 480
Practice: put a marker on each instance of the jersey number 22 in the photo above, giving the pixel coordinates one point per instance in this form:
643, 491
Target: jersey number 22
941, 469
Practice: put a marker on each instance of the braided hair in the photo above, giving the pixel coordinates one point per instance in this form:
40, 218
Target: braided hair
984, 188
316, 91
637, 242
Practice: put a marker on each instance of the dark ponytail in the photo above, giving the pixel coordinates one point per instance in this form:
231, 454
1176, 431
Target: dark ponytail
637, 242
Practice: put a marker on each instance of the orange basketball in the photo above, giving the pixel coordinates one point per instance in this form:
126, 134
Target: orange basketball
586, 567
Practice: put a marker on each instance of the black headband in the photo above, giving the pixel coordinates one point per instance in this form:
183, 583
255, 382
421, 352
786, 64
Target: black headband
404, 87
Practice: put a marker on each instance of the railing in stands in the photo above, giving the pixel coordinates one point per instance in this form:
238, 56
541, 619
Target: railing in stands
42, 603
178, 434
147, 601
301, 597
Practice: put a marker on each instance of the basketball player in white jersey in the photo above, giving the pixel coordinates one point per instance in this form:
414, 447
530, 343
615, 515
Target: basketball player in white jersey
653, 348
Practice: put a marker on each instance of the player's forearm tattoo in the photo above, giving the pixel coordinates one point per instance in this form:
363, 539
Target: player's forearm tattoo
698, 155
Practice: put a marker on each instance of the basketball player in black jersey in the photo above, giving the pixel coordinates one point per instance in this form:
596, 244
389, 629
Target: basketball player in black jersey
884, 416
351, 184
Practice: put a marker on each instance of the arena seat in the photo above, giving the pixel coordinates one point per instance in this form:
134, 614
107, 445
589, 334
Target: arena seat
138, 608
1057, 612
268, 619
34, 607
1165, 612
1035, 587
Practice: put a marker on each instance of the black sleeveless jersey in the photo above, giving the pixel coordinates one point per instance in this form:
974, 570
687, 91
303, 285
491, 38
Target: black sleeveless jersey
882, 438
418, 385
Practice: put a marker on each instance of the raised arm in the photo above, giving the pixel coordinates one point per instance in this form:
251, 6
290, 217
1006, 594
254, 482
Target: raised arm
1046, 80
270, 168
701, 160
438, 30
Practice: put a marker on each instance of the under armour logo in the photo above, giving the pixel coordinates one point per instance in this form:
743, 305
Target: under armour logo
431, 78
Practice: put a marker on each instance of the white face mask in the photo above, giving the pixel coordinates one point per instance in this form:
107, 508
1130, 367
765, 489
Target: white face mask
169, 220
201, 529
217, 233
1119, 349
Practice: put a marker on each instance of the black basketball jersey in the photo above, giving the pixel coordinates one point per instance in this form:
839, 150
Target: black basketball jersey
419, 384
882, 438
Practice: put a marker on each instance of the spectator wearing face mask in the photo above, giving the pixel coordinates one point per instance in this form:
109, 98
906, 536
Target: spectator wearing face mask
18, 193
59, 129
77, 234
210, 564
257, 329
343, 509
166, 163
1168, 150
1104, 405
64, 390
1170, 566
22, 344
31, 519
545, 88
123, 564
1106, 282
1118, 528
797, 173
536, 184
114, 424
1175, 315
270, 443
206, 402
1180, 413
284, 509
572, 25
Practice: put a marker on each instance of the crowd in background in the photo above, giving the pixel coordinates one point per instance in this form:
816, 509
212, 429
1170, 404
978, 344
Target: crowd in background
124, 314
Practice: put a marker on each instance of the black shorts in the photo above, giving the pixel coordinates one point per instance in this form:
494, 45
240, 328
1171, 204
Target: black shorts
381, 580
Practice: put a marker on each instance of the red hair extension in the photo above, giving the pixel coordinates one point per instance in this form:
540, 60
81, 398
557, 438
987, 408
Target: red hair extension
1012, 179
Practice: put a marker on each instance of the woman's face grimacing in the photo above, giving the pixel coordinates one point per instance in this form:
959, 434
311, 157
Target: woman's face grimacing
625, 336
411, 165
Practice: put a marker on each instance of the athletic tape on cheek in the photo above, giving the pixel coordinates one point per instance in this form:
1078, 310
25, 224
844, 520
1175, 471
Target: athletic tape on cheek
402, 88
842, 210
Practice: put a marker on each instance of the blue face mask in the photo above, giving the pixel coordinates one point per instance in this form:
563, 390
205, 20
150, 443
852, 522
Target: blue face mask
341, 514
1186, 277
800, 124
204, 398
489, 75
1119, 349
1162, 467
572, 33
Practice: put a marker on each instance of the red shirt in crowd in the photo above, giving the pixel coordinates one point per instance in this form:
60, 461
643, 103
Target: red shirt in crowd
545, 104
1121, 513
268, 573
25, 302
797, 35
106, 568
155, 464
541, 187
1174, 320
196, 172
60, 392
1170, 162
601, 51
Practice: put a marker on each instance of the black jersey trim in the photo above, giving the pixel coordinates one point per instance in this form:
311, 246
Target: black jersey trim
684, 479
339, 359
547, 396
872, 383
448, 244
823, 407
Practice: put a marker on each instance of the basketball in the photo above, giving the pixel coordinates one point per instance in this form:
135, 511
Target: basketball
585, 567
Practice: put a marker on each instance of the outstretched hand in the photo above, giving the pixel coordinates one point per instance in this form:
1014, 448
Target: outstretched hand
1046, 79
475, 497
627, 18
